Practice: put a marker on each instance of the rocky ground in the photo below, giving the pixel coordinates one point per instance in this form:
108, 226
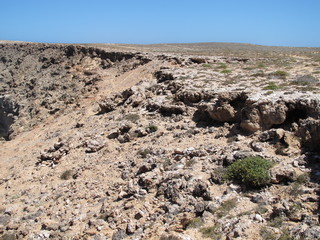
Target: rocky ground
128, 142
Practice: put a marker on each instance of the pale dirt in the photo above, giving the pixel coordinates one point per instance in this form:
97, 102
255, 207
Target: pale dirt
27, 186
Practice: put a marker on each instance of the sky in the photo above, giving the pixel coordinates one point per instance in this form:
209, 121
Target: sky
263, 22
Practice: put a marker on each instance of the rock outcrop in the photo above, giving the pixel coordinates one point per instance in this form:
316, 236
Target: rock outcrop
309, 132
9, 111
49, 78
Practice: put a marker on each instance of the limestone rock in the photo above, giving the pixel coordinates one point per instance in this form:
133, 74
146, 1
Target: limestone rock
309, 132
283, 174
94, 145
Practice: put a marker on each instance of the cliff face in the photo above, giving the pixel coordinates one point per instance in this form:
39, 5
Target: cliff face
100, 143
45, 79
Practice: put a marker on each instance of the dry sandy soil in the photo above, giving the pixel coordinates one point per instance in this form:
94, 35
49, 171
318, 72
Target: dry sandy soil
104, 141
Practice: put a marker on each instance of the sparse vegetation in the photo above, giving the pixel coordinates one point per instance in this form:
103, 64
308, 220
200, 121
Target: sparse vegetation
195, 223
144, 152
295, 207
276, 222
267, 234
152, 128
279, 74
8, 236
260, 73
232, 139
190, 162
226, 71
303, 178
166, 164
211, 232
222, 66
261, 209
66, 175
285, 235
132, 117
219, 175
206, 65
225, 207
153, 147
261, 65
251, 171
272, 86
296, 189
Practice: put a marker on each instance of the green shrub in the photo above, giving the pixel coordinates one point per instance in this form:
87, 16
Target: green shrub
252, 171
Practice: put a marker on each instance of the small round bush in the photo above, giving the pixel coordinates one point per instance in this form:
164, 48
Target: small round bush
252, 171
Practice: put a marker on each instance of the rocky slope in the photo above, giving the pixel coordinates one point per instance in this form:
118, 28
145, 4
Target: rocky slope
106, 144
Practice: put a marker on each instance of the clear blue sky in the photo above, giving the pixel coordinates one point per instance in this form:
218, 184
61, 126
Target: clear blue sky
265, 22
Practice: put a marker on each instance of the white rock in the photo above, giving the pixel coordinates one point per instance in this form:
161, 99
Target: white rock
295, 163
258, 218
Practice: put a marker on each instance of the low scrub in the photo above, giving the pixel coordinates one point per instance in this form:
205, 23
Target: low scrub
211, 232
226, 71
226, 207
132, 117
280, 74
195, 223
251, 171
272, 86
152, 128
66, 175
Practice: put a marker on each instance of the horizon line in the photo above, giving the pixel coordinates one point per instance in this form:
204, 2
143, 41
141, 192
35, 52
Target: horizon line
155, 43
